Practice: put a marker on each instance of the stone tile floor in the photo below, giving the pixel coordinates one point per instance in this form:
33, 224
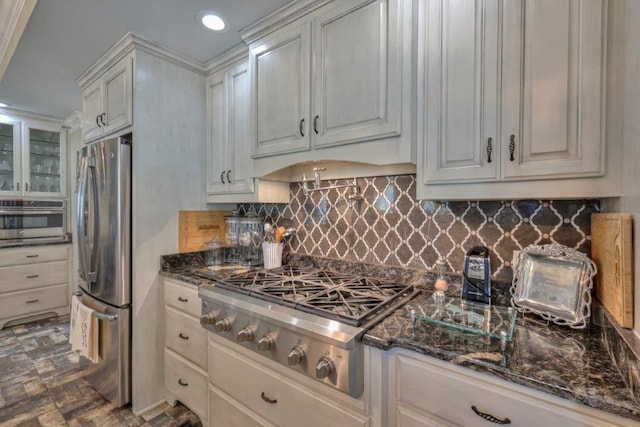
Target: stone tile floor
42, 384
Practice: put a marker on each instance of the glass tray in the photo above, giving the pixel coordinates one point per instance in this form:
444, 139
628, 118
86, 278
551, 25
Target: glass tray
488, 320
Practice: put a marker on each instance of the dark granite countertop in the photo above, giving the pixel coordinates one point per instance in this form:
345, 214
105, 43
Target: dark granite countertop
597, 366
573, 364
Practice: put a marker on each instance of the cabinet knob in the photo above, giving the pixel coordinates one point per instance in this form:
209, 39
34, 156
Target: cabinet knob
325, 367
245, 335
223, 325
296, 356
512, 147
489, 149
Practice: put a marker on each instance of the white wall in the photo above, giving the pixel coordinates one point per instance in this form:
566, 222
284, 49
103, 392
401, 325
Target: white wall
169, 152
630, 200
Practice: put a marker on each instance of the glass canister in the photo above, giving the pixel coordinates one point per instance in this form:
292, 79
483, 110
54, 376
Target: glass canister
214, 254
232, 255
250, 240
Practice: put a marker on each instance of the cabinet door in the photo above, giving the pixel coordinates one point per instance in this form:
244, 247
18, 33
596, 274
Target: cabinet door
217, 158
240, 180
10, 146
44, 166
357, 72
553, 88
117, 97
92, 108
462, 83
280, 67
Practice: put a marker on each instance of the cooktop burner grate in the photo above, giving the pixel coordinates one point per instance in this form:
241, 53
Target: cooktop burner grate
344, 297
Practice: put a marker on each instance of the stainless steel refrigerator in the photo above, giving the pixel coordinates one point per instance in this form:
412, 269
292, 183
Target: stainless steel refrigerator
104, 251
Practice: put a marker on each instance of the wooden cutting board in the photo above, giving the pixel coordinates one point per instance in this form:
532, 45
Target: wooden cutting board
195, 228
612, 251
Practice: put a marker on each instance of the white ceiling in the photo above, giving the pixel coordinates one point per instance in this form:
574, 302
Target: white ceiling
65, 37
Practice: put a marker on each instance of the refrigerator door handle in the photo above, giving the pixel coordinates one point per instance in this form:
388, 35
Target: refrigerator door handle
87, 230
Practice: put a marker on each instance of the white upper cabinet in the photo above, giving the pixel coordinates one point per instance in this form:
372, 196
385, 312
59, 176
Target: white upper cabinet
357, 80
108, 101
229, 165
333, 82
228, 151
462, 90
280, 81
554, 64
32, 157
512, 91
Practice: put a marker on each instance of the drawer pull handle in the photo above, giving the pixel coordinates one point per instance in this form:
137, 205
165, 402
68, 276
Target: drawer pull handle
266, 399
31, 301
182, 299
490, 417
183, 384
33, 276
33, 256
184, 337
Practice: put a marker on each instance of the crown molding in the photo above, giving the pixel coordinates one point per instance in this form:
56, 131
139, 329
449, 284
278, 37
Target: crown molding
73, 121
14, 15
226, 58
130, 43
281, 17
28, 115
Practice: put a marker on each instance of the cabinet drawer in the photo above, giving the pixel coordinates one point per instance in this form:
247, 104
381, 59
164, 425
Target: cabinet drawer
443, 392
23, 277
224, 411
185, 336
16, 304
186, 382
182, 296
33, 254
253, 386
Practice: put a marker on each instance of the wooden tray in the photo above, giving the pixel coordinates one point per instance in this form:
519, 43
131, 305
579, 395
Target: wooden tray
196, 228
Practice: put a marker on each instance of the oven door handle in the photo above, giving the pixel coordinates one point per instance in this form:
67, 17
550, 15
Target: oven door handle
23, 211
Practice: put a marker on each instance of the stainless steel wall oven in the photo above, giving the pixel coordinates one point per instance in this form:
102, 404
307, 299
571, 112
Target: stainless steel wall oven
32, 221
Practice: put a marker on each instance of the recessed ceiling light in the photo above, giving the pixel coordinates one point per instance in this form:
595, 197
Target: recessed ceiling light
212, 20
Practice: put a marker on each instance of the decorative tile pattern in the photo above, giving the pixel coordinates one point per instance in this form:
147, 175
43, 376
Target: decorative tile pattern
43, 384
390, 227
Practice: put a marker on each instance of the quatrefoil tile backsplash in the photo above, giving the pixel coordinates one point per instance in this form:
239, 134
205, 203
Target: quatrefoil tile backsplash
390, 227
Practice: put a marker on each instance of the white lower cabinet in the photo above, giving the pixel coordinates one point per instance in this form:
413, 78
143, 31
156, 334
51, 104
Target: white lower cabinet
225, 411
271, 397
34, 281
427, 392
185, 353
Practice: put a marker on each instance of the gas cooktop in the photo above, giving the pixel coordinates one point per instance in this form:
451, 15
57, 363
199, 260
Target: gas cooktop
345, 297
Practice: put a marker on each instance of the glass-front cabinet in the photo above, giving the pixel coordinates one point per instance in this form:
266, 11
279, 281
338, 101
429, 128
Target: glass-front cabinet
45, 174
10, 144
32, 158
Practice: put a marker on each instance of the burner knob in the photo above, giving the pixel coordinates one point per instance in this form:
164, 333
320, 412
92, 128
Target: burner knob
296, 356
208, 319
267, 342
223, 325
246, 334
325, 367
